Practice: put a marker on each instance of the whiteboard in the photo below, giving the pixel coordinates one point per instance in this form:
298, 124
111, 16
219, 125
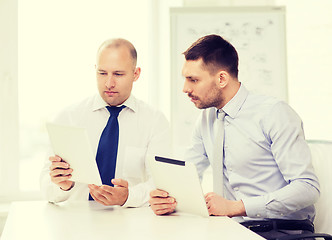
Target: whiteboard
257, 33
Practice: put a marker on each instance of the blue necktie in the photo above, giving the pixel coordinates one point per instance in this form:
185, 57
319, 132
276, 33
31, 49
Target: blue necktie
108, 147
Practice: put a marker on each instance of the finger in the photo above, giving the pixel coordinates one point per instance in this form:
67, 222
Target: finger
211, 210
120, 182
93, 187
98, 194
208, 204
158, 193
163, 206
157, 201
59, 179
59, 165
60, 172
103, 190
163, 209
98, 198
55, 158
209, 196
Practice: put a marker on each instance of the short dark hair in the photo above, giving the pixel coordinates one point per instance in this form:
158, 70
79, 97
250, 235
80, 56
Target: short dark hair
216, 53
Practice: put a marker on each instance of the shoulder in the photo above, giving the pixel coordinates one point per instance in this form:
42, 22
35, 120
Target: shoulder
274, 113
146, 110
264, 106
272, 106
75, 109
261, 101
267, 108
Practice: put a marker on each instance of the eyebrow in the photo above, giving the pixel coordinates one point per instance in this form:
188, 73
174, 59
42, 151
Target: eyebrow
190, 77
116, 71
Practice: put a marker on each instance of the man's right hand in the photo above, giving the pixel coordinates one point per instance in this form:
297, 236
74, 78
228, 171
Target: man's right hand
60, 173
161, 203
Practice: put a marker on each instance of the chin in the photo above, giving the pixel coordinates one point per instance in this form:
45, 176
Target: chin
199, 106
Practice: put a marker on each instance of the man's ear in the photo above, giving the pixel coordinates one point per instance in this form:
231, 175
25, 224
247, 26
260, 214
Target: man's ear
223, 78
137, 73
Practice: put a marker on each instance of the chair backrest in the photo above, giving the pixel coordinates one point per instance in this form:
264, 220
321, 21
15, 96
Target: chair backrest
321, 152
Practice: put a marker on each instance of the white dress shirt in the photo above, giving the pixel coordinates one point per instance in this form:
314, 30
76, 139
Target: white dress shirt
267, 162
142, 131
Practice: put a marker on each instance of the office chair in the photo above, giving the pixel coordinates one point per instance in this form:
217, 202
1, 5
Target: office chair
321, 152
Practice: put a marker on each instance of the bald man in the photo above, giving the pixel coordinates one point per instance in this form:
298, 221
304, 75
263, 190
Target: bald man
142, 130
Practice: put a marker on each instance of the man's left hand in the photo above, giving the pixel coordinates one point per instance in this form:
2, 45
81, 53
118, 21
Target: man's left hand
108, 195
219, 206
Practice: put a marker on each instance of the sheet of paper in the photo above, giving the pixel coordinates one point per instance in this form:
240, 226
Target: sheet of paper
72, 145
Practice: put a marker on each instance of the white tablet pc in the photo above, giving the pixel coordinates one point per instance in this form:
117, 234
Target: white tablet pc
181, 181
72, 145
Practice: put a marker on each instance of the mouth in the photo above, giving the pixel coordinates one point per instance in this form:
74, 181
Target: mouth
110, 93
193, 98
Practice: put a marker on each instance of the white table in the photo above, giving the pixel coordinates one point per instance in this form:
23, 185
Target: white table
90, 220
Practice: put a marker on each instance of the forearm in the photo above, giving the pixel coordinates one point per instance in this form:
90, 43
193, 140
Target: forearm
51, 191
139, 194
287, 200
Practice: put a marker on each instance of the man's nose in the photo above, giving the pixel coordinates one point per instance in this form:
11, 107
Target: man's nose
110, 83
186, 88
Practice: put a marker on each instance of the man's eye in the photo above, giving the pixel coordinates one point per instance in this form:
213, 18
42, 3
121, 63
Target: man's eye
102, 73
118, 74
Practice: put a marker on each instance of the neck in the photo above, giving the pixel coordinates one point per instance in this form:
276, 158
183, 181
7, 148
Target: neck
230, 91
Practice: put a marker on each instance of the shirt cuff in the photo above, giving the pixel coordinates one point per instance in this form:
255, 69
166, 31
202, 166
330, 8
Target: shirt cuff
57, 194
137, 197
255, 207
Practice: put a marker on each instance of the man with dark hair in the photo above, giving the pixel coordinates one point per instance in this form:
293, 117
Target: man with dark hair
262, 171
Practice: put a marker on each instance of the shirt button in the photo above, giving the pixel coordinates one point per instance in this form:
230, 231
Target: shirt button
236, 189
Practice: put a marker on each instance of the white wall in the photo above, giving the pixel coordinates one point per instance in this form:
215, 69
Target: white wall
8, 105
8, 98
309, 38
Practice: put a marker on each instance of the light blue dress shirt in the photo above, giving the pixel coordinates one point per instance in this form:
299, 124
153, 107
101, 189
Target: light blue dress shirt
267, 162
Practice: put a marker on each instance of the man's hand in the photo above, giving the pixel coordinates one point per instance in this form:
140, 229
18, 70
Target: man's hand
60, 173
108, 195
161, 203
219, 206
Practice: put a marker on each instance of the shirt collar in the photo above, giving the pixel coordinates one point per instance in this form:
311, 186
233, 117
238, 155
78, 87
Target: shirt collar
234, 105
99, 103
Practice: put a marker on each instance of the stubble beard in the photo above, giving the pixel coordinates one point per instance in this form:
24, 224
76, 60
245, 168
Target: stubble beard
214, 99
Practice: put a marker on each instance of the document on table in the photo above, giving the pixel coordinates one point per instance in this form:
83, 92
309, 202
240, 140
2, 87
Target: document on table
73, 146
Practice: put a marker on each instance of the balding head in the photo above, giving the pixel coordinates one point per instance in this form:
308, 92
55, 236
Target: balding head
117, 43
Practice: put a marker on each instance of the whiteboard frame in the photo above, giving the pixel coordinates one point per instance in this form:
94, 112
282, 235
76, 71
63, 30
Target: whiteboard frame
176, 98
